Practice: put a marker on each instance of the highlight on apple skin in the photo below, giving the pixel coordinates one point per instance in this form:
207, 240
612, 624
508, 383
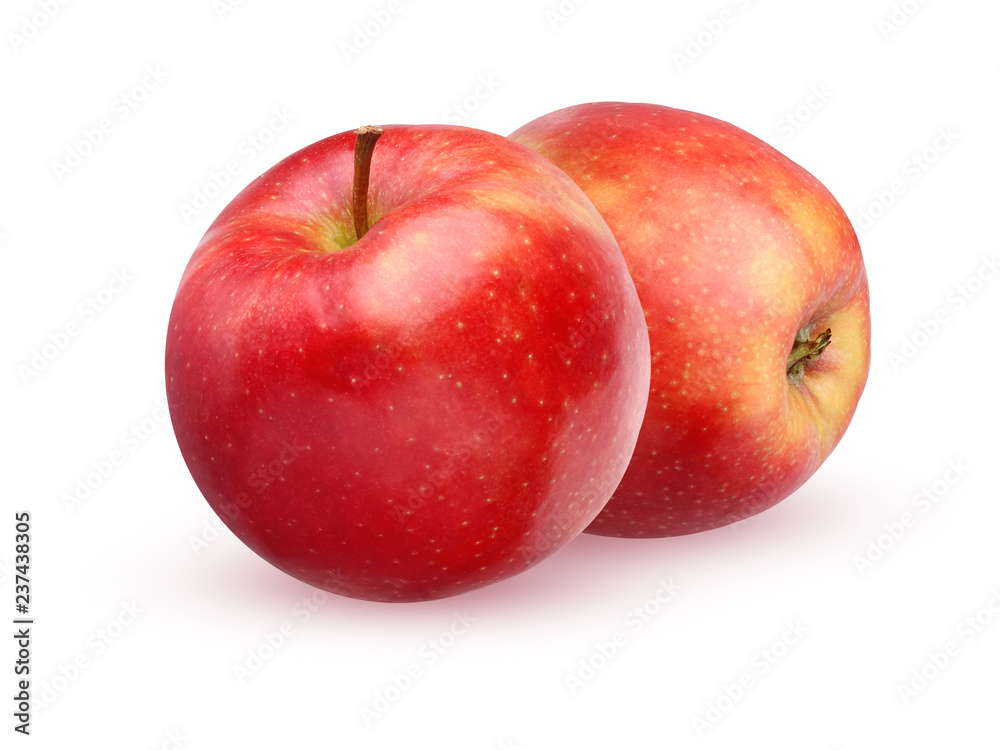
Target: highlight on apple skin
756, 298
429, 402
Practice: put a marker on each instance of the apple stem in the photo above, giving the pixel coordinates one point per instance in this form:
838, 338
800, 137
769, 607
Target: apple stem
364, 147
805, 349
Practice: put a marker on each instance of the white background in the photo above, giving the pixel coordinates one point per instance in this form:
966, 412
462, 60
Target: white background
146, 541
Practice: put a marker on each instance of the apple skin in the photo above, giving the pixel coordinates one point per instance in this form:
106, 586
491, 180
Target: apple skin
428, 410
733, 249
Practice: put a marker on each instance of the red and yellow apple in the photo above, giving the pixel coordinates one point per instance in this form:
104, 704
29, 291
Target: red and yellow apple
417, 404
755, 294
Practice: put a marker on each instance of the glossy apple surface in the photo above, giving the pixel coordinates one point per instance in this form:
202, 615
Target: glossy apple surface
740, 257
429, 409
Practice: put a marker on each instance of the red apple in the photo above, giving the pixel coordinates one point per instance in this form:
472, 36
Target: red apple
756, 298
430, 408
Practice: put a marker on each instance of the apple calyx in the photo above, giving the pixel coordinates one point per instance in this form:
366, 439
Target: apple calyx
805, 349
364, 147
